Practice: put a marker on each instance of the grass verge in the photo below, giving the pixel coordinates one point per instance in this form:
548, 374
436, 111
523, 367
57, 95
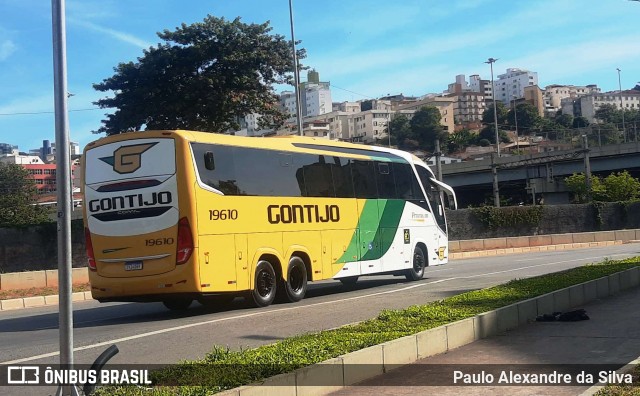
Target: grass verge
39, 291
223, 369
623, 390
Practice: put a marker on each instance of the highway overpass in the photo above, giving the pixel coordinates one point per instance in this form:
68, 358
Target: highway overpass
520, 176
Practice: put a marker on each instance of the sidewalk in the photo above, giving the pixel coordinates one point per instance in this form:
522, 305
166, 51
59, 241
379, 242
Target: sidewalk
612, 335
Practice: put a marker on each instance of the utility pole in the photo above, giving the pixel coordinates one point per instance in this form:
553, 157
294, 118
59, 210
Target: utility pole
515, 118
63, 186
624, 130
438, 155
490, 61
587, 166
296, 73
496, 191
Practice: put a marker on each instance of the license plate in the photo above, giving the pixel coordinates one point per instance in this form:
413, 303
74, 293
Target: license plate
133, 266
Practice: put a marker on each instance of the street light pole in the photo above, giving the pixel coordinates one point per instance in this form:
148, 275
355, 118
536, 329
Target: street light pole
624, 130
490, 61
515, 117
296, 73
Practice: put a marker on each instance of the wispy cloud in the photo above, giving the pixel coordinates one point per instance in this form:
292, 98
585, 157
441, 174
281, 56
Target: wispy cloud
7, 47
116, 34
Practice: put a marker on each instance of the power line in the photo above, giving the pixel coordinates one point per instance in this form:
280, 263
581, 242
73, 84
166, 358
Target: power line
49, 112
344, 89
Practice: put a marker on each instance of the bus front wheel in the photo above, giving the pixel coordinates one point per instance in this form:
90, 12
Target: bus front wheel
264, 285
294, 286
416, 272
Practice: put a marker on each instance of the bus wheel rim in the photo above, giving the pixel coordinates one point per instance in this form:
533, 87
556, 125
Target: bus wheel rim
265, 283
296, 279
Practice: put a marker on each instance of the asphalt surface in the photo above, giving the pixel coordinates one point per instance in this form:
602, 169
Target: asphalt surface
148, 333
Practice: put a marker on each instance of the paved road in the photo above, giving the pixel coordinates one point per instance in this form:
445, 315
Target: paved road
148, 333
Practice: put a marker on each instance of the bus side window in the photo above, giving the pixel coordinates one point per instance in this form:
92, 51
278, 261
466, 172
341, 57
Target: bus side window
341, 171
364, 179
407, 186
386, 184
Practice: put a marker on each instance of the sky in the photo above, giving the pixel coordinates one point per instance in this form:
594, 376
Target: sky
365, 49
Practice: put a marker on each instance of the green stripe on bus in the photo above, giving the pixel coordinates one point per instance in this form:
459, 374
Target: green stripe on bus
380, 218
387, 227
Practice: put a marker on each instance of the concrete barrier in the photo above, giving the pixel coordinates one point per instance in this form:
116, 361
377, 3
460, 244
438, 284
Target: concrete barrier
39, 279
432, 342
23, 280
363, 364
545, 242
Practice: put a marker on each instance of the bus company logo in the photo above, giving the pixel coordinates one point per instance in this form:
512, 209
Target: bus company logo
127, 159
303, 214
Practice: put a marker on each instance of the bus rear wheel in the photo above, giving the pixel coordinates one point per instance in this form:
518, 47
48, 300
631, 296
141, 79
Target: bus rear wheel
178, 304
416, 272
294, 286
264, 285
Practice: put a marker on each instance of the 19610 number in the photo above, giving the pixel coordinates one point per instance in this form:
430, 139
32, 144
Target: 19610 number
224, 214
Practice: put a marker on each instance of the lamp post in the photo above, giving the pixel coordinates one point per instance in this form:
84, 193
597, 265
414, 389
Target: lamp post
296, 73
515, 118
490, 61
624, 130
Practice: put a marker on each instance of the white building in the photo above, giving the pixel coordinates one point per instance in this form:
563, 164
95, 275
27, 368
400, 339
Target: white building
587, 105
511, 84
21, 159
249, 126
554, 94
316, 99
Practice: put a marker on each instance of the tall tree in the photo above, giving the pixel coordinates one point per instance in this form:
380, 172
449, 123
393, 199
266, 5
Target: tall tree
501, 111
607, 113
400, 130
18, 197
528, 118
426, 127
202, 77
580, 122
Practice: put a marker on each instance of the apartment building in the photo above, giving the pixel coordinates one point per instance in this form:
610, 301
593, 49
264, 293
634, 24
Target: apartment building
512, 84
8, 149
535, 97
587, 105
443, 103
554, 94
468, 107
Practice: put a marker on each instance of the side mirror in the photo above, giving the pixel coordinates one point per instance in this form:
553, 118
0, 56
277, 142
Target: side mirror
208, 161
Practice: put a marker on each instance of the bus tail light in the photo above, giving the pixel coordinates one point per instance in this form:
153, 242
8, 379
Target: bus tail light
185, 241
89, 247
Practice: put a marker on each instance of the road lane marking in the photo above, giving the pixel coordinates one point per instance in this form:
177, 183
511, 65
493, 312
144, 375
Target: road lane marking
264, 312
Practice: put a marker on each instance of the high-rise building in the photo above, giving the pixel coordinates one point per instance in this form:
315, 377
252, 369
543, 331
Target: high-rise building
9, 149
511, 84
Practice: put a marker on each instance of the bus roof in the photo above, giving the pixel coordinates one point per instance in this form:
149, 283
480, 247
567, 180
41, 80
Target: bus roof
285, 143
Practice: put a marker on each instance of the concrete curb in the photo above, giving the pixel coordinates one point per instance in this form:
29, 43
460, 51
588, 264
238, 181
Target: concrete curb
545, 248
341, 372
40, 301
514, 244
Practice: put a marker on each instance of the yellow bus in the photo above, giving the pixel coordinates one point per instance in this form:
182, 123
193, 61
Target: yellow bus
177, 216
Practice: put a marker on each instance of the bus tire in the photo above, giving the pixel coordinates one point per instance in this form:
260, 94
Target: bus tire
294, 286
416, 272
349, 280
178, 304
264, 285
